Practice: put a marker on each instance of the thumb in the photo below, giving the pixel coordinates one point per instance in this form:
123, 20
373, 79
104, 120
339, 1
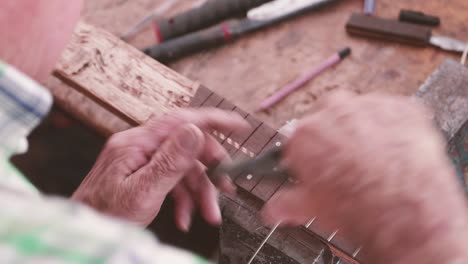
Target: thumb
176, 156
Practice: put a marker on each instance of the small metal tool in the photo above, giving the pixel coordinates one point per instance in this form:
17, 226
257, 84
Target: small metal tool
267, 163
402, 32
417, 17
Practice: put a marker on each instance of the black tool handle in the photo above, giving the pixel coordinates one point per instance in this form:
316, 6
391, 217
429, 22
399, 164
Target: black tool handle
417, 17
191, 43
208, 14
393, 30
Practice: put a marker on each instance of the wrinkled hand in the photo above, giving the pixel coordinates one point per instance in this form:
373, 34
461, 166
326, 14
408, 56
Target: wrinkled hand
139, 167
375, 167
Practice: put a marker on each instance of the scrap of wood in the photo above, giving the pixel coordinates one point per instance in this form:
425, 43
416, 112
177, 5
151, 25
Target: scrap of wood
84, 109
121, 78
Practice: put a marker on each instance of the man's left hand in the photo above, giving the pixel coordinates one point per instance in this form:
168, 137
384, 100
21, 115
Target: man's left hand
139, 167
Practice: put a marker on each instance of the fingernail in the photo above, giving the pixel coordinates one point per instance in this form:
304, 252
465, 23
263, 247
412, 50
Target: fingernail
226, 185
189, 137
217, 216
186, 222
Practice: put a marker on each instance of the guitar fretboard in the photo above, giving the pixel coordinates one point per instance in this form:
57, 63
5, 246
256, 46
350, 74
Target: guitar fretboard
258, 138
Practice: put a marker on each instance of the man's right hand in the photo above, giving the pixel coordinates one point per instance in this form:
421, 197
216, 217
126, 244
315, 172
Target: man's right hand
375, 167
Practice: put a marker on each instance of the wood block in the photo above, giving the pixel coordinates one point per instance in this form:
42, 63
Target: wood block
85, 109
120, 77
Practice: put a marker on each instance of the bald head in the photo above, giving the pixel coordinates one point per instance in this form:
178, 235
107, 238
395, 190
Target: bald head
34, 33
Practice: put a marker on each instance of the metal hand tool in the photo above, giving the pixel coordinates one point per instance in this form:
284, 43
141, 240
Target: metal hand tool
267, 163
393, 30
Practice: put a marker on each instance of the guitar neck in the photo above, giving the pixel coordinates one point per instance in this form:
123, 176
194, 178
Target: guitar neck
260, 188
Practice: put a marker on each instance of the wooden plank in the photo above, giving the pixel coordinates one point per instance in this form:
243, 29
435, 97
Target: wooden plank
84, 109
120, 77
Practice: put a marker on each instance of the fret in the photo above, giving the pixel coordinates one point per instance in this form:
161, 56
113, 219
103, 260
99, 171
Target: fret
248, 182
236, 140
226, 106
257, 143
332, 236
212, 101
303, 249
200, 96
305, 238
268, 186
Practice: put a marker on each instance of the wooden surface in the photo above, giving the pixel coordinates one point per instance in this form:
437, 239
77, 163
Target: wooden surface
244, 72
121, 78
86, 110
255, 66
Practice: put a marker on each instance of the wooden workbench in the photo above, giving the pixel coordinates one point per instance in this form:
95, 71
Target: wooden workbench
255, 66
244, 72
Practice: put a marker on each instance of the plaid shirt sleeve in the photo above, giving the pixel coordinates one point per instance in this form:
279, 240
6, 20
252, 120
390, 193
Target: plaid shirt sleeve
39, 229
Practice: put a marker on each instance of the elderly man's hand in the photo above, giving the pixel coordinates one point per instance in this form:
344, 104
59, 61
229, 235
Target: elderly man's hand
375, 167
139, 167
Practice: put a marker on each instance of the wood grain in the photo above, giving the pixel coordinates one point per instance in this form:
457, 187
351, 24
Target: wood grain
120, 77
84, 109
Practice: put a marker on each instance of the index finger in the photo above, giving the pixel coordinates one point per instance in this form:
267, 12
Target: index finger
207, 119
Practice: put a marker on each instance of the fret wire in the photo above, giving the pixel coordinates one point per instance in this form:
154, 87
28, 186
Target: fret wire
356, 252
312, 220
319, 256
264, 242
330, 238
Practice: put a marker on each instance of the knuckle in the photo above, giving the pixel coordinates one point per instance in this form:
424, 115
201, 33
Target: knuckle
116, 141
166, 165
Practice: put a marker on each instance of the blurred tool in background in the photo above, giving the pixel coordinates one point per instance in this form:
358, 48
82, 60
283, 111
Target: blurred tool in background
417, 17
401, 32
369, 7
314, 72
211, 12
148, 19
257, 18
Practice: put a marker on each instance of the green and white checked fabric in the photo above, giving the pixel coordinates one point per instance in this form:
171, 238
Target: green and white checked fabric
39, 229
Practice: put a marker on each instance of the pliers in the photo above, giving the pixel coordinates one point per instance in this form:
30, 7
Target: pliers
267, 163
